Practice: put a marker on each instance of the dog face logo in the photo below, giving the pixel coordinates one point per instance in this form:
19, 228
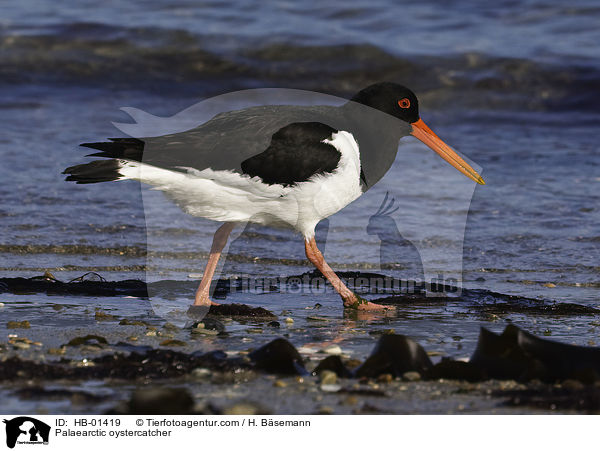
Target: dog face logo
26, 430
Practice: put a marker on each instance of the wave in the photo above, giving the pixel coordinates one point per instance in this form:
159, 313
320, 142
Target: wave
178, 62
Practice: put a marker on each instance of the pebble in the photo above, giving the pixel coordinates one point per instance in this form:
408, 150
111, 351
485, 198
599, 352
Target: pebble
350, 401
289, 320
411, 376
550, 285
170, 326
333, 350
56, 351
325, 410
83, 363
280, 384
331, 388
18, 325
151, 333
103, 316
386, 378
327, 377
201, 373
20, 345
1, 304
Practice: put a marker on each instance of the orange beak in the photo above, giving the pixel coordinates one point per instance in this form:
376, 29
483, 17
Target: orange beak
426, 135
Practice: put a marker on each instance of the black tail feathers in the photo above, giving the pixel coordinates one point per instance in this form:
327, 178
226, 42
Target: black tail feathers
94, 172
124, 148
106, 170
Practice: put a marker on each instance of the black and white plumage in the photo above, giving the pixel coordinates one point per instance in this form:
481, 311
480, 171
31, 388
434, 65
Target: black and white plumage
287, 166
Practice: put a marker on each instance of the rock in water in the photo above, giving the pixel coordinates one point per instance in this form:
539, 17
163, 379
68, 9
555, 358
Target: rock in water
499, 356
396, 355
278, 357
516, 354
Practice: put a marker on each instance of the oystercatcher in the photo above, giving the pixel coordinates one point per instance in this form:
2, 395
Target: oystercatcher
288, 166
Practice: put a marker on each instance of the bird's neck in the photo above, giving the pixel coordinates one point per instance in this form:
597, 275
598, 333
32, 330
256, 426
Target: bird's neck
377, 135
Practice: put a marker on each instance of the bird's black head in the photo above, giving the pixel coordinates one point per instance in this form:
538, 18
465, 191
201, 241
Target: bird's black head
391, 98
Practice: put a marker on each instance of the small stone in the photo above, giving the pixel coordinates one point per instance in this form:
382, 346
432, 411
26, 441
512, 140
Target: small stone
201, 373
151, 333
254, 330
331, 388
56, 351
386, 378
279, 383
21, 345
549, 285
333, 350
350, 401
328, 377
274, 324
87, 340
132, 338
289, 320
1, 304
411, 376
83, 363
103, 316
18, 325
325, 410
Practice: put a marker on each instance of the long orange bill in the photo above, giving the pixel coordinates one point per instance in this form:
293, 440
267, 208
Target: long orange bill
426, 135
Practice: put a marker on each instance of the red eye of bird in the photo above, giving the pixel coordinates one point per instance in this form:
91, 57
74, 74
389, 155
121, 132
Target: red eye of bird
404, 103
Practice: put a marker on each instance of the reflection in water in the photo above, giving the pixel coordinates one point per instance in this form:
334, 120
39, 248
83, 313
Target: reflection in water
395, 251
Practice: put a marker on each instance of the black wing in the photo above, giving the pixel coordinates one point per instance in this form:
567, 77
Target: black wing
295, 154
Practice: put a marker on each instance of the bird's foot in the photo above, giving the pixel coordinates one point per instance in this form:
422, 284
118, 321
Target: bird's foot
204, 301
355, 302
201, 306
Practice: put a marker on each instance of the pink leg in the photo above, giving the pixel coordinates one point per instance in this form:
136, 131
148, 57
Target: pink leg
350, 299
219, 242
